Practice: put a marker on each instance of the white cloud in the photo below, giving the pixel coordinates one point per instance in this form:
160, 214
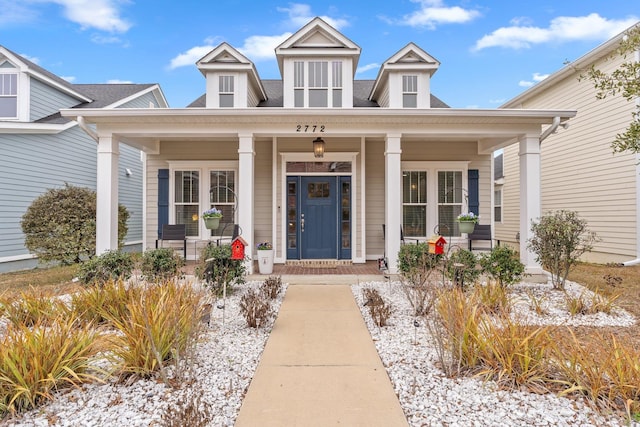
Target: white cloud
367, 67
104, 15
537, 77
259, 48
190, 57
100, 39
33, 59
14, 13
433, 13
70, 79
561, 29
116, 81
300, 14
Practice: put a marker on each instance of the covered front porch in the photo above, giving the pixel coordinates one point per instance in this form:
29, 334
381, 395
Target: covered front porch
258, 150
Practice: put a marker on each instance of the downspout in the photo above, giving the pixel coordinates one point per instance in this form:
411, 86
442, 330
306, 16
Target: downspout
637, 260
548, 131
87, 129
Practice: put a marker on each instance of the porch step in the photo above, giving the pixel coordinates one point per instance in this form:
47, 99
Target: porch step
319, 263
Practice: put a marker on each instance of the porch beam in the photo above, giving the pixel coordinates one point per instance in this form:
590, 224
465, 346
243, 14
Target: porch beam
107, 194
530, 198
246, 173
393, 201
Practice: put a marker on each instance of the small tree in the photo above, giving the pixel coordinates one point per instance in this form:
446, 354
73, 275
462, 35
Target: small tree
160, 264
60, 225
218, 270
461, 267
503, 265
625, 80
558, 241
417, 267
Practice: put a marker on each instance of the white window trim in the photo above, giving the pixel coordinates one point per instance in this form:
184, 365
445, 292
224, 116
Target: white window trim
330, 81
23, 94
497, 188
203, 167
432, 169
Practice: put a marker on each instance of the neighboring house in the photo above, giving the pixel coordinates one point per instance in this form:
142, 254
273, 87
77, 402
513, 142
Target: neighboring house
579, 170
39, 149
317, 162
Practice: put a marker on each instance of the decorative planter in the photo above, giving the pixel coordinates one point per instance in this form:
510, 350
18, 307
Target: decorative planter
265, 261
466, 226
212, 223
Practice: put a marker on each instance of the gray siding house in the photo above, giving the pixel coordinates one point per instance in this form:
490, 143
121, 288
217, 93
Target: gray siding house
40, 149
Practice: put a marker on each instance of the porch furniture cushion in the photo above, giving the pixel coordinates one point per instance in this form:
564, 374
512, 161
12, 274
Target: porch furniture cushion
481, 232
174, 232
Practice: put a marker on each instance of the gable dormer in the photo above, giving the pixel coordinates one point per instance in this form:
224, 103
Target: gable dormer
232, 79
28, 92
404, 79
317, 64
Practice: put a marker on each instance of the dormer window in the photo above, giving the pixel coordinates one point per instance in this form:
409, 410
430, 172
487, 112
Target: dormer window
317, 93
409, 91
9, 95
226, 91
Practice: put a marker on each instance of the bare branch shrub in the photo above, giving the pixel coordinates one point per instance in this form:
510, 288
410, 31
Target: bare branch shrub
255, 307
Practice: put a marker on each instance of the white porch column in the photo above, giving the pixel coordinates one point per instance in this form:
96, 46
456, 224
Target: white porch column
393, 201
245, 193
530, 198
107, 195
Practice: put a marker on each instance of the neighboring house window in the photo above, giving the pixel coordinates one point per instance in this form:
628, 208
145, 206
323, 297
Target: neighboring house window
409, 91
9, 95
187, 199
414, 203
317, 84
497, 204
450, 200
226, 91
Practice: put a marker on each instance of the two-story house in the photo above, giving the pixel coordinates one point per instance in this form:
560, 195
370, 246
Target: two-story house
40, 149
316, 162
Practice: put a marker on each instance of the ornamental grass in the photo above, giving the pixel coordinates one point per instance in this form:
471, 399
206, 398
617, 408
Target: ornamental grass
38, 360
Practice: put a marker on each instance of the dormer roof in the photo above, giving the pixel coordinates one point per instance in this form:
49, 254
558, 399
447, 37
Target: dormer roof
409, 58
225, 57
318, 38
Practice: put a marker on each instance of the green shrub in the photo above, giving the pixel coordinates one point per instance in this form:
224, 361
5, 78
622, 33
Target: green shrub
60, 225
218, 270
558, 241
160, 264
503, 265
111, 265
461, 267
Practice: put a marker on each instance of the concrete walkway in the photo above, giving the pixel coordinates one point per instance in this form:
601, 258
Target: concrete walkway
320, 367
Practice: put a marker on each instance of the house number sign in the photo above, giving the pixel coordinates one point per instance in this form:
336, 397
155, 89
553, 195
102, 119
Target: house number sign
310, 128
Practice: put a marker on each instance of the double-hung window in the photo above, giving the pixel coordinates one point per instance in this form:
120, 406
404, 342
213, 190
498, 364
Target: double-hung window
414, 203
187, 199
450, 200
8, 95
222, 196
409, 91
497, 204
226, 91
318, 83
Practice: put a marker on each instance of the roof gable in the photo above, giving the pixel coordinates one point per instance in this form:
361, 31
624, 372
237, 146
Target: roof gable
223, 56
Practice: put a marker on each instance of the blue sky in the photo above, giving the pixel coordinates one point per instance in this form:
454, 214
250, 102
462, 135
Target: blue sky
490, 50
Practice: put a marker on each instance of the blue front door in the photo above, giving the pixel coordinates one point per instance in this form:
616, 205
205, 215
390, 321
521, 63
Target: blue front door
318, 217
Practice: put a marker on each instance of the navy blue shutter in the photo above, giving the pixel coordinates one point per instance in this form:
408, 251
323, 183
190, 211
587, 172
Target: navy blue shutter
474, 191
163, 199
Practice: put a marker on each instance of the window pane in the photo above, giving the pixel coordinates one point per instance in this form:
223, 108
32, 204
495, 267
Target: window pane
318, 74
317, 98
337, 98
337, 74
187, 186
409, 100
447, 223
410, 84
498, 213
414, 220
298, 70
226, 100
298, 98
9, 106
450, 187
188, 215
324, 167
414, 187
8, 84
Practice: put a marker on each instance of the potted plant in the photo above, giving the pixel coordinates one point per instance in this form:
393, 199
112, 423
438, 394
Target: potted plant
467, 222
211, 218
265, 258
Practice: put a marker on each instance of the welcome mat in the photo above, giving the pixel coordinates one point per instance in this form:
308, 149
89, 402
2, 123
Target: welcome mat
325, 264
